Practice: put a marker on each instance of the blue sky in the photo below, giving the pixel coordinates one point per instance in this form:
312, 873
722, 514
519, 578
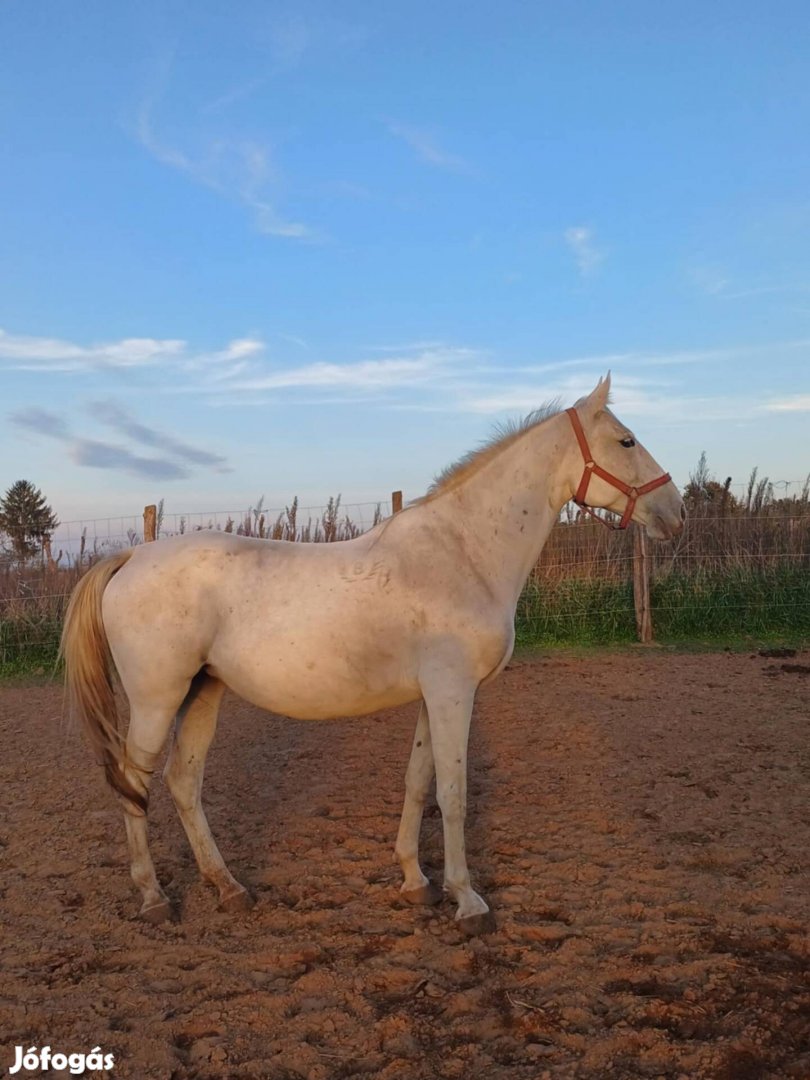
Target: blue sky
259, 248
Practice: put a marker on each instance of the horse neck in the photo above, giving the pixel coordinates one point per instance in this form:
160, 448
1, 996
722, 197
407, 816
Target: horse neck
507, 508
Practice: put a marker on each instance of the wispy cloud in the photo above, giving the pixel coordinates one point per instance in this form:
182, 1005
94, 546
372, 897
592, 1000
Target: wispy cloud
41, 422
715, 280
236, 356
294, 339
646, 385
793, 403
116, 417
24, 352
294, 37
241, 91
101, 455
98, 454
709, 279
580, 241
427, 147
52, 354
240, 170
428, 365
430, 375
678, 357
632, 398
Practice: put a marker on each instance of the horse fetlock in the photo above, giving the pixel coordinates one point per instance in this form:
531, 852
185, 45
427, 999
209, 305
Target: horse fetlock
427, 893
412, 873
156, 911
469, 903
475, 925
406, 853
236, 901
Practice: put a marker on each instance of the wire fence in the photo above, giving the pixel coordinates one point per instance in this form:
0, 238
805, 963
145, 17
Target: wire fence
98, 536
728, 575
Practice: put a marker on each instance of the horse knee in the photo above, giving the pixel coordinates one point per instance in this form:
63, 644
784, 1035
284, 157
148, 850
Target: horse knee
453, 807
417, 788
184, 792
181, 774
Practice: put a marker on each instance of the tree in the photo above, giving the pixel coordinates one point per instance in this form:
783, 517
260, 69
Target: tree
26, 518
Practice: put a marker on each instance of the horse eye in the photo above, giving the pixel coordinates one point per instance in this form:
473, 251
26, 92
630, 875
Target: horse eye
628, 442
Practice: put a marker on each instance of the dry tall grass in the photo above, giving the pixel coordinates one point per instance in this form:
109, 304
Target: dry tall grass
740, 567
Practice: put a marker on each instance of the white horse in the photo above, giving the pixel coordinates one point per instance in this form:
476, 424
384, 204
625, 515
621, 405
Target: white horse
422, 607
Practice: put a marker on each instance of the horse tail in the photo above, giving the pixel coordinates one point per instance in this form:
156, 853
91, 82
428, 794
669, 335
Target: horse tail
89, 675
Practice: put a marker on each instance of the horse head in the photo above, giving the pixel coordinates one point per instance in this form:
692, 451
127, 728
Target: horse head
615, 472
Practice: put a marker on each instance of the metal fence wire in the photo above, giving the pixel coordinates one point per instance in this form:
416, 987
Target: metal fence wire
725, 574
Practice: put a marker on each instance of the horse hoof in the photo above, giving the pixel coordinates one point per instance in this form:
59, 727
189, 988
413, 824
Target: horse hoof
156, 913
429, 894
475, 925
237, 903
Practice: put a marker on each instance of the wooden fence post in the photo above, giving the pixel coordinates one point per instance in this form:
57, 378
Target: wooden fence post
149, 523
641, 586
50, 562
396, 502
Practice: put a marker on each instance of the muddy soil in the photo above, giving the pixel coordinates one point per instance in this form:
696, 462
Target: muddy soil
638, 821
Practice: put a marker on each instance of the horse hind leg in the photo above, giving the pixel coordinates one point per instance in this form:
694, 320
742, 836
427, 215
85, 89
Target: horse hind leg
148, 728
196, 725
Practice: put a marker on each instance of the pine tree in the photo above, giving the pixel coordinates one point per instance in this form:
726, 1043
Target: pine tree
26, 519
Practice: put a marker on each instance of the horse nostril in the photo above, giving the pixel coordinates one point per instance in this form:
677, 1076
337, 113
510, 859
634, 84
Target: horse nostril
683, 513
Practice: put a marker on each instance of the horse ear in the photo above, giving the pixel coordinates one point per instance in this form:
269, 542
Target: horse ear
598, 398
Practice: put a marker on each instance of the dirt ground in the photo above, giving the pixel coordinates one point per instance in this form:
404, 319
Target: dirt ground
638, 821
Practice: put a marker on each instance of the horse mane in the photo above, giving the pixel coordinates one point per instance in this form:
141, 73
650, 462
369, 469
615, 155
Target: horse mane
503, 435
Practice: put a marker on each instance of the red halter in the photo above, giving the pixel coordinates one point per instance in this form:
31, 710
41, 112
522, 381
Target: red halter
592, 468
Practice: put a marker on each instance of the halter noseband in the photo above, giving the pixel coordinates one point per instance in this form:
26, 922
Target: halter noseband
591, 468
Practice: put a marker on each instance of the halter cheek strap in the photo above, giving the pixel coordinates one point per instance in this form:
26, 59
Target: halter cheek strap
592, 469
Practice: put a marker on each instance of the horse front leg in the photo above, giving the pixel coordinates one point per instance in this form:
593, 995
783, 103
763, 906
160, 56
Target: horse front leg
416, 888
449, 703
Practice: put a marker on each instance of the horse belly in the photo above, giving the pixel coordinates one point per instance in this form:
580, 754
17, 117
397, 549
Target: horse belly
316, 680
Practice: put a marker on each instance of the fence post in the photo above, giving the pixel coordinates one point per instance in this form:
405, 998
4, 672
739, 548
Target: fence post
149, 523
396, 502
50, 562
641, 585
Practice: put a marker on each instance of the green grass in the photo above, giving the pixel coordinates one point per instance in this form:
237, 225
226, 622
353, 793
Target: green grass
28, 646
570, 611
735, 605
735, 608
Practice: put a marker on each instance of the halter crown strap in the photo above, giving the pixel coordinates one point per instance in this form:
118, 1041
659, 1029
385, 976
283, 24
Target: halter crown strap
591, 469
